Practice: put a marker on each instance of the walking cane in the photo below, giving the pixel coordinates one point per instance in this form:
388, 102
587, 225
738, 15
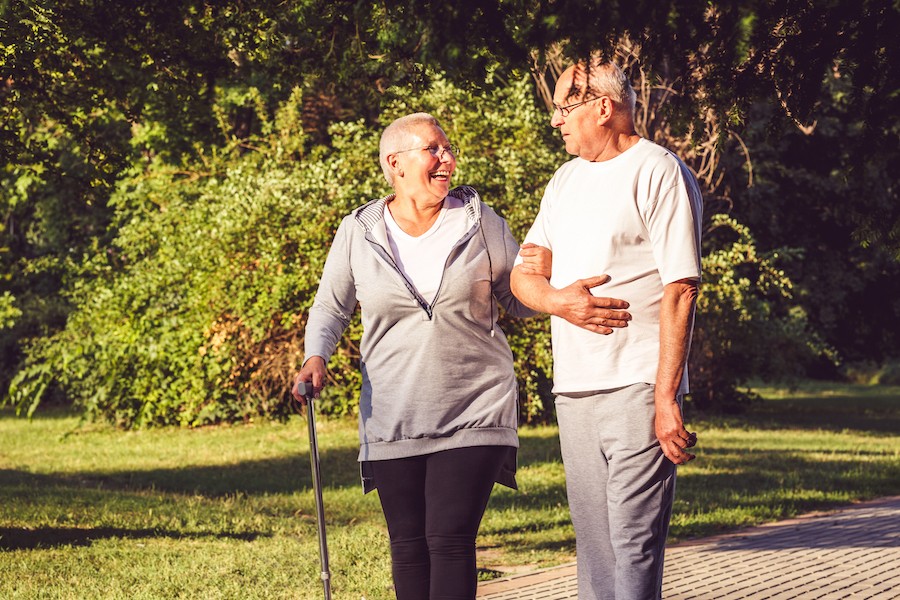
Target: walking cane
305, 389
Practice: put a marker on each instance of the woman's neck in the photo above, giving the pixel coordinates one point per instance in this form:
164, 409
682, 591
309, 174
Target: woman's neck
412, 217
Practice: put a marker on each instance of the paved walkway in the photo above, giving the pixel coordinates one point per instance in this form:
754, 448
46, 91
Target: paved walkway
849, 553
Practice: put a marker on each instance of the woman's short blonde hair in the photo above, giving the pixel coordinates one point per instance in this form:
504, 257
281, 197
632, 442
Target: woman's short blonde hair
399, 136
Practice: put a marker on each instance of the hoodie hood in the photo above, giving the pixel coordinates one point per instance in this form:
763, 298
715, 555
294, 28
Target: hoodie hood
371, 214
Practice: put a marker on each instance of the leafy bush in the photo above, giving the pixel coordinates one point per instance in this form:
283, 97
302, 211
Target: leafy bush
8, 311
870, 373
196, 314
747, 325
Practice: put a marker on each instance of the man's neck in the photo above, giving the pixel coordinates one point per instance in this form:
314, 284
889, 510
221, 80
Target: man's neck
616, 144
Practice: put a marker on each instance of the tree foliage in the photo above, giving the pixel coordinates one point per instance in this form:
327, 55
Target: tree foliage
135, 133
821, 192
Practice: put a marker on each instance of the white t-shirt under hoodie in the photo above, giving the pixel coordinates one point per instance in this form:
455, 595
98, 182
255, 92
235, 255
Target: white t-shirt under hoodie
421, 258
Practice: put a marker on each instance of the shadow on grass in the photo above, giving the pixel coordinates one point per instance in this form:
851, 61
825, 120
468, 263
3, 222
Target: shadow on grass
283, 475
753, 487
764, 484
264, 476
744, 487
737, 467
18, 538
874, 415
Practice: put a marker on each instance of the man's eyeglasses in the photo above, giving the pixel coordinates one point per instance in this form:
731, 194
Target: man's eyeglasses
565, 110
435, 151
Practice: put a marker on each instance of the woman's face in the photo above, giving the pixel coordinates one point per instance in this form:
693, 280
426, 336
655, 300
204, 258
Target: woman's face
426, 165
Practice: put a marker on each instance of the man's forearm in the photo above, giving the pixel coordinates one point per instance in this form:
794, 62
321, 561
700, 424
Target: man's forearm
676, 317
534, 291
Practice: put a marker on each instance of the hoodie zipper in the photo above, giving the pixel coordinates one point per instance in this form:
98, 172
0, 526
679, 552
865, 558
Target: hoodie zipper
387, 257
417, 297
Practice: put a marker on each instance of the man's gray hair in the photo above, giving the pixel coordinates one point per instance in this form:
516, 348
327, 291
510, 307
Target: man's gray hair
607, 79
398, 136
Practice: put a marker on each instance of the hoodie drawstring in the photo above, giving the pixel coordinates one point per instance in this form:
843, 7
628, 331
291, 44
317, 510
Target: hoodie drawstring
491, 274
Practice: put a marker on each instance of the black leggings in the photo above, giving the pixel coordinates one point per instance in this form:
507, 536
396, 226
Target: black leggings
433, 505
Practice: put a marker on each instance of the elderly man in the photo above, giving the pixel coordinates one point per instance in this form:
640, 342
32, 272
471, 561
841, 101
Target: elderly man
629, 209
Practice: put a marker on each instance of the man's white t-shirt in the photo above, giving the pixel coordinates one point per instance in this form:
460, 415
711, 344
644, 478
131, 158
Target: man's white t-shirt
422, 258
635, 218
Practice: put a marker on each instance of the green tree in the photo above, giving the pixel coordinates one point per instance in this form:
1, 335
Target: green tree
117, 114
823, 190
89, 89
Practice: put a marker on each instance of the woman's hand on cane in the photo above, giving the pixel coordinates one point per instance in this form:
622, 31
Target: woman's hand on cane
313, 371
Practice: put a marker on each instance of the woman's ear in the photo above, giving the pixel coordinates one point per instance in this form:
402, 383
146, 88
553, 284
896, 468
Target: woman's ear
394, 164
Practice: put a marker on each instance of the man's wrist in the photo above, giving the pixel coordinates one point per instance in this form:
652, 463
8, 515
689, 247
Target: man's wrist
664, 397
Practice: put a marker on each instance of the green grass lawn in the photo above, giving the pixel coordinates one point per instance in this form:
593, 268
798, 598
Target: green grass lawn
87, 511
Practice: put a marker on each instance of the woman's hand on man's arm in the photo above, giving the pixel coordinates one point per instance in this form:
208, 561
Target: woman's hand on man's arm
536, 260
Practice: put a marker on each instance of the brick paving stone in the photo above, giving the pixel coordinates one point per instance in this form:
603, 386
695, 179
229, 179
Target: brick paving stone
850, 554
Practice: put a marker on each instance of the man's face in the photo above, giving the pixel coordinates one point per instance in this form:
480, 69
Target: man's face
576, 127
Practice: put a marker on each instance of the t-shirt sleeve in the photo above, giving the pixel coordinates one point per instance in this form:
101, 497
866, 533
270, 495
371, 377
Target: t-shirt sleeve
674, 222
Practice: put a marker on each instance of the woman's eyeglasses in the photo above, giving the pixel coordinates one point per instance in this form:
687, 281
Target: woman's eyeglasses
435, 151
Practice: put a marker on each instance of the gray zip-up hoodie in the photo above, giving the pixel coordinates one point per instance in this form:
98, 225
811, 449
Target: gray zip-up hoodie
435, 376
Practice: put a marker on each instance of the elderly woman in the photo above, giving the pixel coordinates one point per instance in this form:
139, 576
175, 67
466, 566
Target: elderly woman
429, 266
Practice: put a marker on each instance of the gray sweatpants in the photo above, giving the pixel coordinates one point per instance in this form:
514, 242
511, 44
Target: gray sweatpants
620, 488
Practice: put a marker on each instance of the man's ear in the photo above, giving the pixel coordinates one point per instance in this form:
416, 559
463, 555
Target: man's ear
606, 108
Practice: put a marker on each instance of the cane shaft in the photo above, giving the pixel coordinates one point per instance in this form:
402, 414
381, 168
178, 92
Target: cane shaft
317, 488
